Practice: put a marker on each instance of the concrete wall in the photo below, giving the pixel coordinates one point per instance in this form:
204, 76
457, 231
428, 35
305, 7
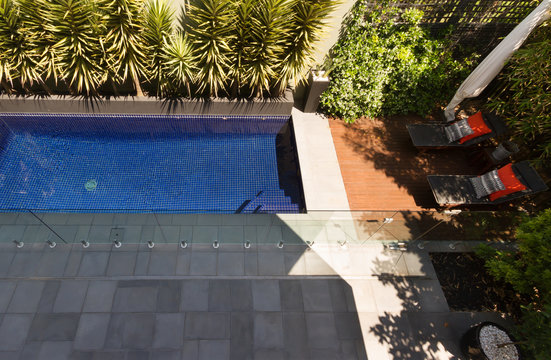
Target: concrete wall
146, 105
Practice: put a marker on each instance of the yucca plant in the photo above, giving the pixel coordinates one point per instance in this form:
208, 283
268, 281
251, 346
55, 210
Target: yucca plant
267, 44
240, 44
209, 25
123, 41
305, 29
18, 55
157, 31
70, 26
178, 66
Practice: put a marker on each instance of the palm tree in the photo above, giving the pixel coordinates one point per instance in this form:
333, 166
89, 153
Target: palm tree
157, 31
76, 52
123, 43
305, 30
18, 55
209, 26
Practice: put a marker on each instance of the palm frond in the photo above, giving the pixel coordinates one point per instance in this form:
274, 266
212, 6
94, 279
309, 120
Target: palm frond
178, 68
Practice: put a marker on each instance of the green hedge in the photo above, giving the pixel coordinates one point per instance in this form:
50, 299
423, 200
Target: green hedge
385, 63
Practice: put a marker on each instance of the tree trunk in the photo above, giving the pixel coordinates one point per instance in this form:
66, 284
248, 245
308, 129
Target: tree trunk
138, 87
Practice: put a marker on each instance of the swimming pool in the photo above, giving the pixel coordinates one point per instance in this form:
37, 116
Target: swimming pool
138, 163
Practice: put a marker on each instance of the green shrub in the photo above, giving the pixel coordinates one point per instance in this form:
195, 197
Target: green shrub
384, 63
528, 270
524, 96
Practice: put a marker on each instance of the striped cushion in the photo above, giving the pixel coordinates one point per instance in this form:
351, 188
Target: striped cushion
458, 130
487, 184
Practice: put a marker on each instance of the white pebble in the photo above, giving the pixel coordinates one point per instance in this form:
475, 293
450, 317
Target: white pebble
490, 337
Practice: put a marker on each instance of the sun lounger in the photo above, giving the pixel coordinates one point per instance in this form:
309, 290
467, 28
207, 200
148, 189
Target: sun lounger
453, 190
433, 136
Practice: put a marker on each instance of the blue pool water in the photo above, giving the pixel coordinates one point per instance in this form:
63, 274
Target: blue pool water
148, 163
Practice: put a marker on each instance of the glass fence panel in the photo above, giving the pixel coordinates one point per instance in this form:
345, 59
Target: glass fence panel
322, 228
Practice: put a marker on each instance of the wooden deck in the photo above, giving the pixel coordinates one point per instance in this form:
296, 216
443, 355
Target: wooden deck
383, 171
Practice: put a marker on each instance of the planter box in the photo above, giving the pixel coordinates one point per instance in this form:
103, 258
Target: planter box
147, 105
316, 86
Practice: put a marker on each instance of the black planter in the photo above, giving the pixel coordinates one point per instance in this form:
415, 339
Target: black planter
470, 342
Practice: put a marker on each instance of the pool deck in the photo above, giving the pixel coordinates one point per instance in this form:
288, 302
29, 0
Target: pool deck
324, 301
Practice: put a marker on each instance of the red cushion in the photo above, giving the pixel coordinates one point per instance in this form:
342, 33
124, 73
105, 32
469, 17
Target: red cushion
510, 180
476, 122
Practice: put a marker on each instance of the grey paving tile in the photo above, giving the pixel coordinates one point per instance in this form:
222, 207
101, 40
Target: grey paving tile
195, 295
121, 263
6, 292
115, 331
162, 263
214, 349
348, 326
30, 351
266, 296
168, 298
184, 219
99, 297
183, 262
49, 294
14, 330
291, 295
271, 263
81, 355
203, 263
59, 350
241, 295
138, 355
166, 355
52, 263
294, 263
92, 331
73, 262
138, 331
338, 289
316, 265
24, 263
268, 330
269, 354
316, 295
231, 263
204, 234
135, 299
321, 331
169, 331
54, 327
190, 349
324, 354
70, 296
11, 232
220, 295
242, 336
108, 355
430, 295
207, 325
294, 335
231, 234
94, 263
351, 349
26, 297
251, 263
142, 263
9, 355
6, 258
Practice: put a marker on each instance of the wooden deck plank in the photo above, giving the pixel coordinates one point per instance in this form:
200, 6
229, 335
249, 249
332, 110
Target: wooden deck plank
382, 170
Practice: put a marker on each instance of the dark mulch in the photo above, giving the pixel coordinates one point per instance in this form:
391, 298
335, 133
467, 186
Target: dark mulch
468, 286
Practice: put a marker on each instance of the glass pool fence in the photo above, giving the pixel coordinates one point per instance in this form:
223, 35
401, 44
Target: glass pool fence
323, 228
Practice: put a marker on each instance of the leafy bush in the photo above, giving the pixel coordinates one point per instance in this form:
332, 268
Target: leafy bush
524, 95
384, 63
218, 48
528, 270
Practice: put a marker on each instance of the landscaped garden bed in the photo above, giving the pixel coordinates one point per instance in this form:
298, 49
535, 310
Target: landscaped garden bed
469, 287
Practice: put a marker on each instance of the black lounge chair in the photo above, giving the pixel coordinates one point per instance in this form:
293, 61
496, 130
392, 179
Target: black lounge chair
433, 136
453, 190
